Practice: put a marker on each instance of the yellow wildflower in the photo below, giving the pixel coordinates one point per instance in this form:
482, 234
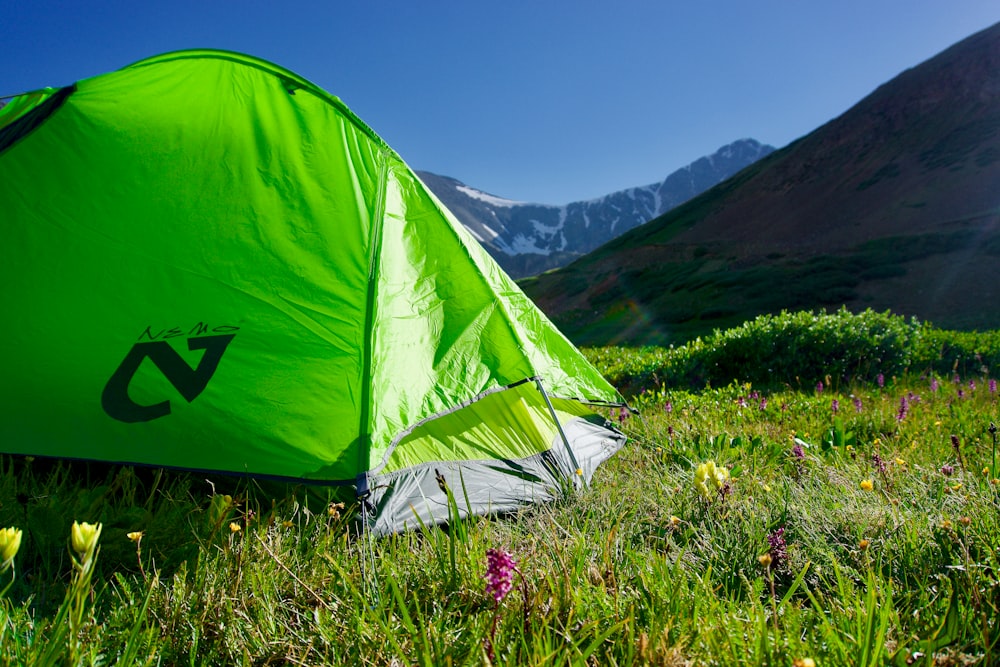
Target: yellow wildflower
804, 662
135, 536
900, 462
10, 542
675, 520
863, 545
765, 560
234, 527
709, 478
83, 537
867, 485
946, 524
956, 486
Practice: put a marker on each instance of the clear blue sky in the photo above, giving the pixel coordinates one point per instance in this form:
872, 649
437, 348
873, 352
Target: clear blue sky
532, 100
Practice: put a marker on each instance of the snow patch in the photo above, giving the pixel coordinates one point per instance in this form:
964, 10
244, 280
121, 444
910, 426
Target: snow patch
489, 199
524, 245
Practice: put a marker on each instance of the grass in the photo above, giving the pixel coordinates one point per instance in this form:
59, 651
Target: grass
882, 539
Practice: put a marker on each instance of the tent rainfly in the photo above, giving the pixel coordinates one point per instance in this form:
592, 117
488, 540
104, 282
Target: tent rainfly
211, 264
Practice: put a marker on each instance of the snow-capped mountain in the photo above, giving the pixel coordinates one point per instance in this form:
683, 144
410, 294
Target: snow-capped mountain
530, 238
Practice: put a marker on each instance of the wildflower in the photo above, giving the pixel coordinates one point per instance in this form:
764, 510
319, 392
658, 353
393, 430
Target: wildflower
946, 524
668, 407
863, 545
333, 510
710, 479
956, 486
287, 524
867, 485
880, 380
765, 561
10, 542
835, 406
579, 472
965, 521
675, 521
622, 414
798, 452
819, 387
135, 536
961, 393
993, 386
234, 527
741, 402
878, 463
956, 379
763, 405
900, 462
904, 409
500, 568
804, 662
778, 549
972, 385
947, 470
83, 537
934, 385
857, 405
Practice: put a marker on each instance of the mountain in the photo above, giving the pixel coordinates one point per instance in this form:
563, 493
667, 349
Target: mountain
893, 205
530, 238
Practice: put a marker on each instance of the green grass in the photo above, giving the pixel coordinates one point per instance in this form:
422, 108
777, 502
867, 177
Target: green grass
638, 569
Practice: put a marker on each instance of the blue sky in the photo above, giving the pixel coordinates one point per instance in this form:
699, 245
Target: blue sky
537, 101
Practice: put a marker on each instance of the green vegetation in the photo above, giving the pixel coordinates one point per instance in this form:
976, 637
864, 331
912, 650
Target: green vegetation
705, 290
850, 516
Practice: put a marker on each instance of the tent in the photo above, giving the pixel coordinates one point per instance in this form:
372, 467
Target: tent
211, 264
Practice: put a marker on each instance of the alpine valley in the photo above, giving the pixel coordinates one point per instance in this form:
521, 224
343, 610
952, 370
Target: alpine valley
894, 205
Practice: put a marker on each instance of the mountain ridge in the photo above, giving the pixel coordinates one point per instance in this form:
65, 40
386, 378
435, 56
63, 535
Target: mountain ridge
526, 238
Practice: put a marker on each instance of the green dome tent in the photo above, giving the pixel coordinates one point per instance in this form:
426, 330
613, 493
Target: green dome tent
212, 264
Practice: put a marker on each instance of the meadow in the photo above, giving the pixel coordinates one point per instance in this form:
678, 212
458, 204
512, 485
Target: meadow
806, 489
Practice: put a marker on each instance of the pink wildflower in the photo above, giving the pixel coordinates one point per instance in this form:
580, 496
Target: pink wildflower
500, 568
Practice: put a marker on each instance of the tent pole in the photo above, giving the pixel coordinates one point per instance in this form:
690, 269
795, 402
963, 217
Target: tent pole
577, 470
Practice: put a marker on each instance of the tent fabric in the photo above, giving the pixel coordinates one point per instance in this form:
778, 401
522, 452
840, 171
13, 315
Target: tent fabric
213, 264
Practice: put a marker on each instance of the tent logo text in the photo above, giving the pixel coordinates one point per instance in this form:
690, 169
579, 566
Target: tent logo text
188, 381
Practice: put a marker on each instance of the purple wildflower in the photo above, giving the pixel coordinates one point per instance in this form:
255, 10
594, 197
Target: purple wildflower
754, 395
857, 405
500, 568
993, 386
622, 414
742, 402
763, 404
878, 463
880, 379
778, 549
934, 385
972, 385
835, 406
956, 379
904, 409
819, 387
947, 470
668, 407
961, 393
798, 452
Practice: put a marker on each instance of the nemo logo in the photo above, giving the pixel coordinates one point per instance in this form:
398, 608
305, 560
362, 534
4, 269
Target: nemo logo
189, 382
